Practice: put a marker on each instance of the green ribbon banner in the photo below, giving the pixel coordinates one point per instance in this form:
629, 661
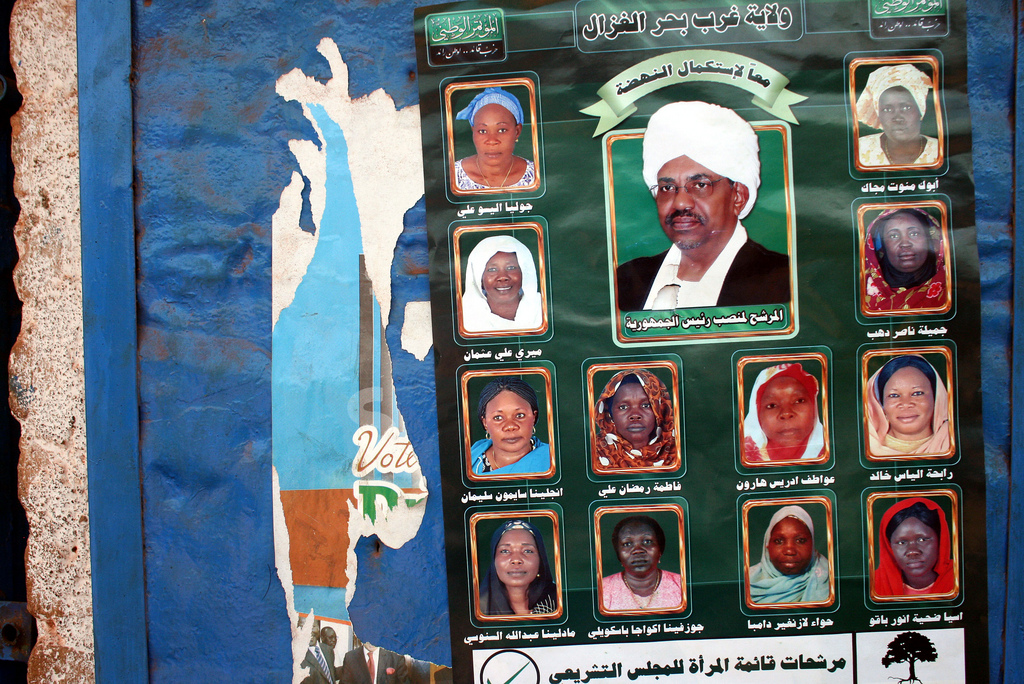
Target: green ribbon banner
619, 94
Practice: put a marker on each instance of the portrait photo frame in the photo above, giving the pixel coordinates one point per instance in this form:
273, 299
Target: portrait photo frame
472, 383
670, 517
634, 231
483, 525
755, 516
863, 139
458, 134
936, 299
597, 377
752, 453
465, 238
877, 503
940, 358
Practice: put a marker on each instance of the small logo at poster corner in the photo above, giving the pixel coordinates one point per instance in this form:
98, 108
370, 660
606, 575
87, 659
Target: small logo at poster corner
509, 666
468, 37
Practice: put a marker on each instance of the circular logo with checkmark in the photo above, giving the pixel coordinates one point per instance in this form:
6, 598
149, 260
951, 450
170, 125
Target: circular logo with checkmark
509, 667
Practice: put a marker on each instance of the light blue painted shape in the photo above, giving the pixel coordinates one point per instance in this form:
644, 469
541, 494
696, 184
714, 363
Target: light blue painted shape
329, 601
316, 344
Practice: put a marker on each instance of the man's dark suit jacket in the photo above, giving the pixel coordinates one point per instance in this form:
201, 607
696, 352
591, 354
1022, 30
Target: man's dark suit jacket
316, 674
757, 276
354, 670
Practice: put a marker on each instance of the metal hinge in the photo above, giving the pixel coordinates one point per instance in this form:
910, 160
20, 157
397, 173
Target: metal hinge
17, 631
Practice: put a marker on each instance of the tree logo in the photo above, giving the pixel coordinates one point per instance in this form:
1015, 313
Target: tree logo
910, 647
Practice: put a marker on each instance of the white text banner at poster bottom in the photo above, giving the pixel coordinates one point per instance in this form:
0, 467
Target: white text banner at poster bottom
793, 660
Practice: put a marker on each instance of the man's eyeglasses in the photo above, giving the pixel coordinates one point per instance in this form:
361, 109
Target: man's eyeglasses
698, 188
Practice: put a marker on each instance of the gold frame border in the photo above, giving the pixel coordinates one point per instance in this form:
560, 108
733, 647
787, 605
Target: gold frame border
466, 417
954, 542
541, 278
829, 523
823, 397
947, 354
474, 520
931, 61
592, 400
787, 183
862, 295
449, 120
641, 509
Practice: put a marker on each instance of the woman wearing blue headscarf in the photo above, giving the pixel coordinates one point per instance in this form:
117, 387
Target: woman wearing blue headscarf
497, 120
791, 569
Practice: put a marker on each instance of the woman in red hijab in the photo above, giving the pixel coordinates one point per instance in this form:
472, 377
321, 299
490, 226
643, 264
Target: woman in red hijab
915, 552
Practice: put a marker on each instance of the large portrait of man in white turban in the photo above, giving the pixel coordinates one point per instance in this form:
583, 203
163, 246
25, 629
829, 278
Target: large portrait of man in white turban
702, 166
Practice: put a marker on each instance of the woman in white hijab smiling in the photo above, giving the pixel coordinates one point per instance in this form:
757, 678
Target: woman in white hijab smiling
501, 289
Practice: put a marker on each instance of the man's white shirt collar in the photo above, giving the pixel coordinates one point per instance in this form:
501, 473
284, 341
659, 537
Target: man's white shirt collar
703, 292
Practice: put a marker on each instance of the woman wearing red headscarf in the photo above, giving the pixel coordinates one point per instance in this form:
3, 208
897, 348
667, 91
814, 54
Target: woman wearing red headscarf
915, 552
782, 423
905, 263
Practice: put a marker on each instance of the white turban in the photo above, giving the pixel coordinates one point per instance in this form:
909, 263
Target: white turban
713, 136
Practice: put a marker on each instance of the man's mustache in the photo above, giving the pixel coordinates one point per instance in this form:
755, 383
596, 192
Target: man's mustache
686, 213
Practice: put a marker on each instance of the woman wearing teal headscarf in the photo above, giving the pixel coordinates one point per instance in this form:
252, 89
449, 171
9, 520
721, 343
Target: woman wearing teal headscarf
791, 569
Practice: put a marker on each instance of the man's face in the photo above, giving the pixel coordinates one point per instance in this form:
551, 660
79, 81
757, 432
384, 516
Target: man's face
692, 222
328, 636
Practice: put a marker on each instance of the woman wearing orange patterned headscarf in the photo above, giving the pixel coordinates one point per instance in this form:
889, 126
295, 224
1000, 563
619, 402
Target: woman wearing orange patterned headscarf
635, 424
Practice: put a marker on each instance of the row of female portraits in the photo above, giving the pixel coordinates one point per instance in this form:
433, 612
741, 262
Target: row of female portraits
493, 143
787, 551
903, 253
635, 425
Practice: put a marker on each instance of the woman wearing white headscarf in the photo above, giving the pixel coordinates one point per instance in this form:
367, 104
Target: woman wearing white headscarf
895, 99
791, 569
501, 289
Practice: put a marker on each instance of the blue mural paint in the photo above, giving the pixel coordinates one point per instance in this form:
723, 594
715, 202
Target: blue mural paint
316, 411
409, 582
316, 345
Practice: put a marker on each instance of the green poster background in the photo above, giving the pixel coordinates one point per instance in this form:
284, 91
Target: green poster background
545, 42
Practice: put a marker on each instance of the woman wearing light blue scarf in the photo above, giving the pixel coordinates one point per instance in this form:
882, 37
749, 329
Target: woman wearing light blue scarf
791, 569
497, 120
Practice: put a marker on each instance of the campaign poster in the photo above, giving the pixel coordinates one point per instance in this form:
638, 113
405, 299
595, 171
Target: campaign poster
704, 288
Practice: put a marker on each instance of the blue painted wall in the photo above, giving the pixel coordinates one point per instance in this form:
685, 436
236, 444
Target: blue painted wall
211, 158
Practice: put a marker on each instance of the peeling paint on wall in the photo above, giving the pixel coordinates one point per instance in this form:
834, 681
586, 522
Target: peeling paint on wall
47, 380
345, 466
384, 161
